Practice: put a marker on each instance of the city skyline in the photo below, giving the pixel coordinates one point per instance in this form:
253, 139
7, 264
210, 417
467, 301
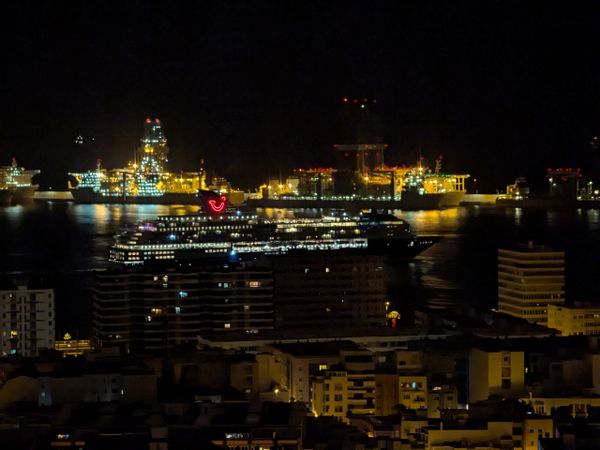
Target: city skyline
300, 225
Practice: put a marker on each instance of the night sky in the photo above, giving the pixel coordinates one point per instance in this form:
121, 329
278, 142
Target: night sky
499, 88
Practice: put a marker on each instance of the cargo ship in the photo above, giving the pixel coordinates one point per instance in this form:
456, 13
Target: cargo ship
16, 184
144, 180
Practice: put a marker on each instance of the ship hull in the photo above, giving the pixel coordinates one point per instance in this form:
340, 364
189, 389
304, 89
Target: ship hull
23, 194
5, 197
88, 196
409, 202
16, 196
395, 251
416, 201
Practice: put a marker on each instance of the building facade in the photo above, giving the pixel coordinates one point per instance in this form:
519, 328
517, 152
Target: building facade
27, 321
329, 394
155, 310
495, 373
331, 290
529, 279
574, 320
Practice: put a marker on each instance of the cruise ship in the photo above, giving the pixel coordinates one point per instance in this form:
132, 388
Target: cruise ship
237, 236
15, 184
144, 180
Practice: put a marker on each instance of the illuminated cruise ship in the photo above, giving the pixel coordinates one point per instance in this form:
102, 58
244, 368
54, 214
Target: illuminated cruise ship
237, 236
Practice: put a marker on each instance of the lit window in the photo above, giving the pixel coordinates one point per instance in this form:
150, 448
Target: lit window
227, 325
254, 284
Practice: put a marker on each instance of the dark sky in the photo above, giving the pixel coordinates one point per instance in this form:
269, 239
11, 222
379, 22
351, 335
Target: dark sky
500, 88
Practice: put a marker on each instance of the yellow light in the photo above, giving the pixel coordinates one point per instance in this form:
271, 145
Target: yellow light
67, 337
14, 333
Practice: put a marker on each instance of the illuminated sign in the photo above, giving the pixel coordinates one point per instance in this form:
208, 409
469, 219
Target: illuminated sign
218, 205
393, 317
237, 435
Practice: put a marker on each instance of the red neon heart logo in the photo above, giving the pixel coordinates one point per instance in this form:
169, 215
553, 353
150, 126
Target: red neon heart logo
217, 207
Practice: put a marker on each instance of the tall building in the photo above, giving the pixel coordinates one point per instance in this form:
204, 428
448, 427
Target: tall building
360, 369
329, 394
307, 359
27, 320
529, 279
346, 388
154, 310
331, 290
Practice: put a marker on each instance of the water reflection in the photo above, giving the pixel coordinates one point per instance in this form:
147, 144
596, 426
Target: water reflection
518, 213
64, 238
435, 222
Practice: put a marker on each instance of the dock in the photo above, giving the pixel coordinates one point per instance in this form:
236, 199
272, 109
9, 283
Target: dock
53, 196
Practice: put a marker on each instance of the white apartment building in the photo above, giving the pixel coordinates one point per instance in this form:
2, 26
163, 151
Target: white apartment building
27, 321
529, 279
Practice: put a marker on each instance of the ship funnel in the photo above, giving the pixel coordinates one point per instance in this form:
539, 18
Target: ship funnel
212, 202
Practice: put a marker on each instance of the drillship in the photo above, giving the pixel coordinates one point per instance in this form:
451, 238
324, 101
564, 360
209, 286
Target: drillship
363, 181
144, 180
220, 233
15, 184
360, 178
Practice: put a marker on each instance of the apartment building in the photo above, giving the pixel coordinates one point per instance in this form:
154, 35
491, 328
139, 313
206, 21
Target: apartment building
27, 320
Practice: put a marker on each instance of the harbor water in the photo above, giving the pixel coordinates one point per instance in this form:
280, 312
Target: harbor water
62, 243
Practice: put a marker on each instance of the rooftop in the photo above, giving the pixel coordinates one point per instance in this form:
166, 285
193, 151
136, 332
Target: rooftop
531, 247
316, 348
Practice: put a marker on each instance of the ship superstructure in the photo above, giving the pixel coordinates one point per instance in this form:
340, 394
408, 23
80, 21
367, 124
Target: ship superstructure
234, 236
143, 180
16, 183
